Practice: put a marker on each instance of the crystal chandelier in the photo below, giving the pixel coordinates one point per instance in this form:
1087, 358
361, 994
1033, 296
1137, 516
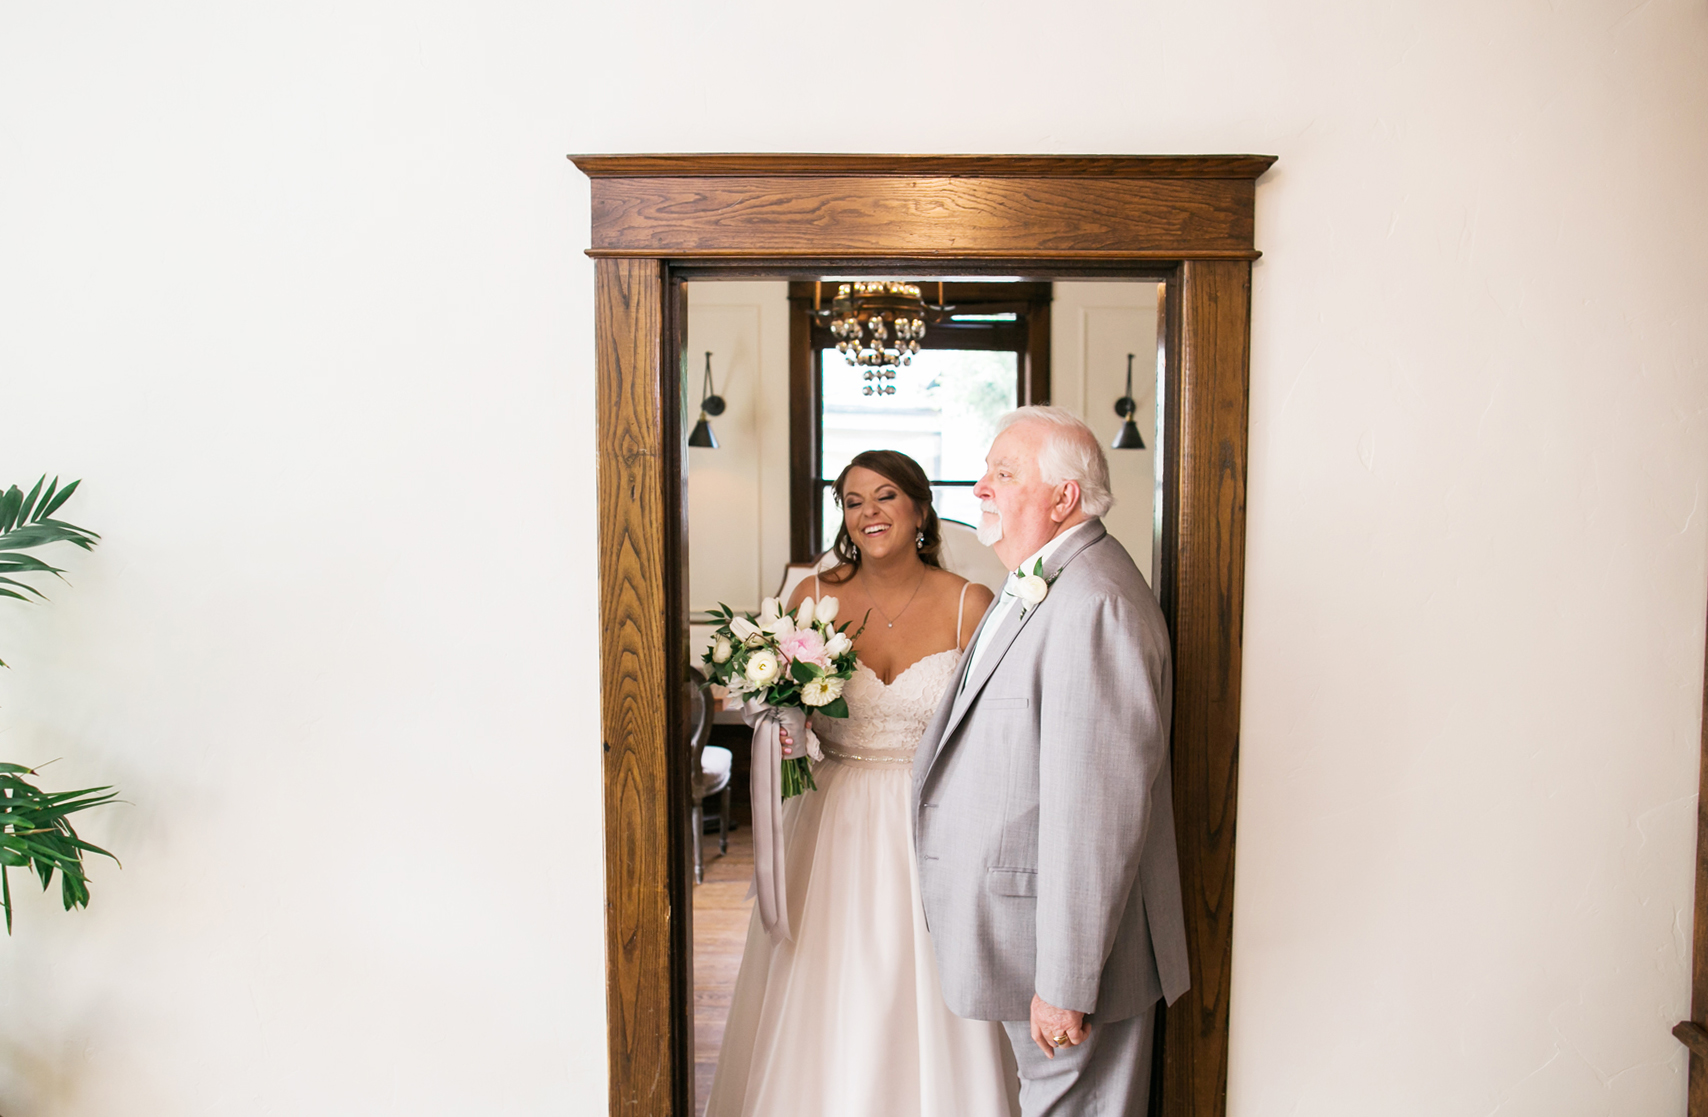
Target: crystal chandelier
877, 325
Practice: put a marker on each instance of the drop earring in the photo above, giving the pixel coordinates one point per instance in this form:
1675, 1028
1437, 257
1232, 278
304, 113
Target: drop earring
919, 541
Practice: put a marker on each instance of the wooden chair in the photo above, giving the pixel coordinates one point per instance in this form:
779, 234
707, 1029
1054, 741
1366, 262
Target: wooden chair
712, 765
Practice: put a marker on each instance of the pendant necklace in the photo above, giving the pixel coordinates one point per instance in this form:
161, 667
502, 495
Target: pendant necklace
887, 621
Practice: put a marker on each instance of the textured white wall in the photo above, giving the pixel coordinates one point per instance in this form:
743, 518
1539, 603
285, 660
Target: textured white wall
300, 293
1093, 326
738, 494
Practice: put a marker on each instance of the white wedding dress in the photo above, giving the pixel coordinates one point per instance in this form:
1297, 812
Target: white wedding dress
848, 1020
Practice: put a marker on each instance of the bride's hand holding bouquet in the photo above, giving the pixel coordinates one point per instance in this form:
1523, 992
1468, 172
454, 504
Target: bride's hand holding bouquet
785, 666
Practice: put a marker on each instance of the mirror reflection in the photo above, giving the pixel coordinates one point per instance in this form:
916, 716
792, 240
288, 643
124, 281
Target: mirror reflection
832, 466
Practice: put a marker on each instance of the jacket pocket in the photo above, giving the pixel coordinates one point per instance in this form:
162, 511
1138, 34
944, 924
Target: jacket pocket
1003, 703
1013, 882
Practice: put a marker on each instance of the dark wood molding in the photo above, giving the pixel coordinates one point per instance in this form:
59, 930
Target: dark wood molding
1032, 269
648, 931
797, 216
1035, 370
976, 296
803, 432
924, 217
783, 165
1205, 492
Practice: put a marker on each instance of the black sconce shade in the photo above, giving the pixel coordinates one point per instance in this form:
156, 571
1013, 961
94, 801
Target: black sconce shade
710, 404
1128, 438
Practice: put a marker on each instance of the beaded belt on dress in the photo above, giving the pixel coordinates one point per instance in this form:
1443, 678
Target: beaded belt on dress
866, 760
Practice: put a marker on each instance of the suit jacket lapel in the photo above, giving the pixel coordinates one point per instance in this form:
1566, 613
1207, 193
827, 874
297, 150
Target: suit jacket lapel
1005, 636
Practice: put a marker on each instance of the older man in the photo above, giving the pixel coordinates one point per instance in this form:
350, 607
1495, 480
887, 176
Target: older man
1043, 805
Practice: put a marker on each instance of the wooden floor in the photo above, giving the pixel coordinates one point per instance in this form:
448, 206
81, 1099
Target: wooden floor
721, 913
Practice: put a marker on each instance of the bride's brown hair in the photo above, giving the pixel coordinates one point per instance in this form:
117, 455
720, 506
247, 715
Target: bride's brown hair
904, 473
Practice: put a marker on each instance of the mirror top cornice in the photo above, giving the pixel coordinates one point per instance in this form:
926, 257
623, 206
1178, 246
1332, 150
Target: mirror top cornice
765, 165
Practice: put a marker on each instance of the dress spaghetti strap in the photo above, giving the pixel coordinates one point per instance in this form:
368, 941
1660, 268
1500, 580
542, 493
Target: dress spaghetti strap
961, 612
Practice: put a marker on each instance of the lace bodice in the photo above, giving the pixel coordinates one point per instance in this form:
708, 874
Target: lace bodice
888, 720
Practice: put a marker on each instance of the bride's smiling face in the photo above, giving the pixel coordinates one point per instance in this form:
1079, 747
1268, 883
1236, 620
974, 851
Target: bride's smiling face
881, 519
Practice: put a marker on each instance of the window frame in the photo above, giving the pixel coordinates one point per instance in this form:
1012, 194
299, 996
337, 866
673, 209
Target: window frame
1028, 336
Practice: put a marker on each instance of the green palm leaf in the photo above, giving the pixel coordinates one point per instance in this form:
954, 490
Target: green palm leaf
26, 522
36, 834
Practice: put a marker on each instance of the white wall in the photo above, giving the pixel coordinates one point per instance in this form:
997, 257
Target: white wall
738, 494
300, 293
1093, 326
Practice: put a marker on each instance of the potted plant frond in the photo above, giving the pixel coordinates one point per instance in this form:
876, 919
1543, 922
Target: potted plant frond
35, 825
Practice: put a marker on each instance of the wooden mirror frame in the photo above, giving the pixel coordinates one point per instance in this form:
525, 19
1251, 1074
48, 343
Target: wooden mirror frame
661, 219
1693, 1033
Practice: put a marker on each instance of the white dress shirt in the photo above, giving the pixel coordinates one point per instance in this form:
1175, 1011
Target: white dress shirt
1006, 602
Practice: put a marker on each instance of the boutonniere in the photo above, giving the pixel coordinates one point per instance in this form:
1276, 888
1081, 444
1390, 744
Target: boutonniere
1034, 587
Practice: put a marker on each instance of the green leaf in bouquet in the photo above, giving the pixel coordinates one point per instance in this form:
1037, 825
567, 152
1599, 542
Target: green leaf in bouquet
805, 672
835, 708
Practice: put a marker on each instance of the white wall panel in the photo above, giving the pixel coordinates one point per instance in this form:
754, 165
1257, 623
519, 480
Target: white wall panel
1093, 326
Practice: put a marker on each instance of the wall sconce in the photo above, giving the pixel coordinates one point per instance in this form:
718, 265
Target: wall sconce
713, 404
1128, 438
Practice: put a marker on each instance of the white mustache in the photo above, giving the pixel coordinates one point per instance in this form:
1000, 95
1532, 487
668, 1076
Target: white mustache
990, 532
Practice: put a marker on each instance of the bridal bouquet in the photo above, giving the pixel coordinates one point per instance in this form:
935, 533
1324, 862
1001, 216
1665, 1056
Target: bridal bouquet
787, 662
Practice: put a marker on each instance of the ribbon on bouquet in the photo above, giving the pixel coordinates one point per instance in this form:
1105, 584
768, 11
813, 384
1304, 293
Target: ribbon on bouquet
770, 875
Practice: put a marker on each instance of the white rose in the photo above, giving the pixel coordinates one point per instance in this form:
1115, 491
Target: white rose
1031, 589
821, 691
762, 667
826, 611
743, 629
721, 649
837, 645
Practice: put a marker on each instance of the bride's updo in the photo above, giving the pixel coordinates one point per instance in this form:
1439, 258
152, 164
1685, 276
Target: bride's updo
904, 473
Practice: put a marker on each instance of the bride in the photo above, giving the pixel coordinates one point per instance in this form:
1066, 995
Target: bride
848, 1020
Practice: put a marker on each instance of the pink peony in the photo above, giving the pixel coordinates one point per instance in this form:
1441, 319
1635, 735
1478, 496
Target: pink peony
805, 646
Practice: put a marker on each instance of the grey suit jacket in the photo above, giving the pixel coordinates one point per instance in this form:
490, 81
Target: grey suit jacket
1044, 806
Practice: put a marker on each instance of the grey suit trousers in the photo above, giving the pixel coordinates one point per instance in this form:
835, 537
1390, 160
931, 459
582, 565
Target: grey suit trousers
1109, 1075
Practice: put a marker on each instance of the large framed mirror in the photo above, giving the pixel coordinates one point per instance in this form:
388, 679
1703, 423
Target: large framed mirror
1183, 225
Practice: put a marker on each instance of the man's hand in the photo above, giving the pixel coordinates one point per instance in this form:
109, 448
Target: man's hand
1054, 1027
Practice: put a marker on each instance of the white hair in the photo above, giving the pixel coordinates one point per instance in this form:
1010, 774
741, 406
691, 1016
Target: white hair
1071, 452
